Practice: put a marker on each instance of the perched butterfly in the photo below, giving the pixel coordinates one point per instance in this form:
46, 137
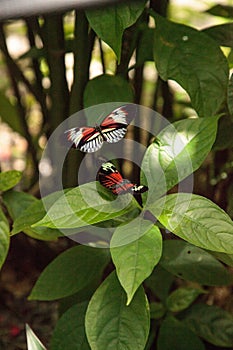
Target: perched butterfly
110, 178
112, 129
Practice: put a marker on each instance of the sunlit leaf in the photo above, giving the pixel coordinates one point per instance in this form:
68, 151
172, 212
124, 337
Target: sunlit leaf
178, 150
135, 248
195, 61
84, 206
110, 324
110, 22
197, 220
9, 179
33, 342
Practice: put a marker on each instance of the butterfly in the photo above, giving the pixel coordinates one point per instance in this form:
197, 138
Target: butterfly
112, 129
110, 178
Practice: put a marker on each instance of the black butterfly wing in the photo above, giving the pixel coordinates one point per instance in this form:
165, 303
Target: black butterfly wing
109, 176
86, 139
114, 126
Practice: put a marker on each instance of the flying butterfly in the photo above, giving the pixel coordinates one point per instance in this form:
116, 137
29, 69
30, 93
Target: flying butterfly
112, 129
110, 178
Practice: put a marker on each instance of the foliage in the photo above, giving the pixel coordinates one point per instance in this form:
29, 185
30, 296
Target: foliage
132, 287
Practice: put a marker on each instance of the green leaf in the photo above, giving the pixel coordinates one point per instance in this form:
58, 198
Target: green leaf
194, 61
211, 323
144, 48
225, 258
230, 95
30, 215
69, 332
197, 220
157, 310
70, 272
221, 11
9, 179
222, 33
110, 22
135, 248
176, 336
160, 282
193, 264
16, 202
110, 324
4, 237
107, 88
9, 114
182, 298
178, 150
84, 206
33, 343
224, 138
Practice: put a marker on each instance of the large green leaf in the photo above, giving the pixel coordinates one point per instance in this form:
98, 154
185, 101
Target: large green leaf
197, 220
144, 48
30, 214
4, 237
178, 150
211, 323
33, 342
107, 88
222, 33
195, 61
135, 248
110, 22
9, 179
110, 324
69, 333
191, 263
84, 206
70, 272
9, 114
16, 202
176, 336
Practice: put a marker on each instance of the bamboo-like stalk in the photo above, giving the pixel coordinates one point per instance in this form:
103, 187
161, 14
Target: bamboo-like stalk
17, 76
84, 42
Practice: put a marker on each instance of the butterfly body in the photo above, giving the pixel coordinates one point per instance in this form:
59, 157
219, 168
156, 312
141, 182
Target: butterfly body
110, 178
90, 139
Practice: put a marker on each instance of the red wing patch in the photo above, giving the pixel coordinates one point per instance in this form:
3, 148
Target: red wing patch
110, 178
90, 139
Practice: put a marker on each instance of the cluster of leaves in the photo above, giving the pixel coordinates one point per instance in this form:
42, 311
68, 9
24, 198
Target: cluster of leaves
135, 304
